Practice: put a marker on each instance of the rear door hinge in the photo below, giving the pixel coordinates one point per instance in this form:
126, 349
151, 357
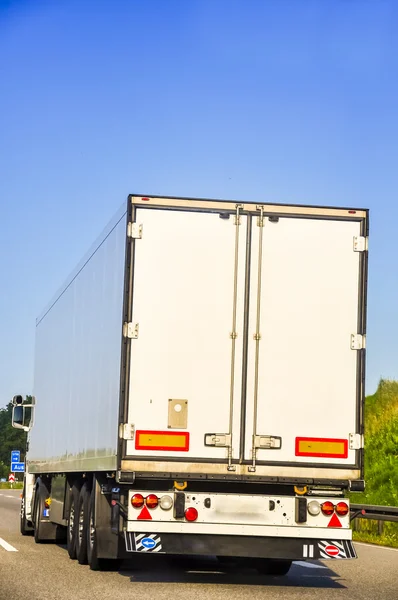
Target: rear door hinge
267, 442
360, 243
237, 219
131, 330
356, 441
221, 440
358, 341
134, 231
260, 218
126, 431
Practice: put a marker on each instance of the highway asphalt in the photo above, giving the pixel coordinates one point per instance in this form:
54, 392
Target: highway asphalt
30, 571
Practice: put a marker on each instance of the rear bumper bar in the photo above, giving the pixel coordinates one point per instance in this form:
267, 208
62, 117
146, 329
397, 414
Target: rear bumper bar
239, 546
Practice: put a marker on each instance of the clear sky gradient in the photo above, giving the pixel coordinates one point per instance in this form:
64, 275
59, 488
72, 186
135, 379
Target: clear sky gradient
283, 101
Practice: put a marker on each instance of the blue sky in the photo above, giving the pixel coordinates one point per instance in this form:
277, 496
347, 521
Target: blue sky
283, 101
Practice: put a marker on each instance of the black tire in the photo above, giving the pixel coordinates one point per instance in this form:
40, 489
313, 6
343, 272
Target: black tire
95, 563
40, 496
82, 524
273, 566
71, 529
25, 526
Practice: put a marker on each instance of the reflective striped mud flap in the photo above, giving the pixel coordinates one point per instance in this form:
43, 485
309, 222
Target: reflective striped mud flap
143, 542
326, 549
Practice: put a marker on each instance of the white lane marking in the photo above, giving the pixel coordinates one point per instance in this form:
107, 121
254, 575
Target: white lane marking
375, 546
9, 496
7, 546
303, 563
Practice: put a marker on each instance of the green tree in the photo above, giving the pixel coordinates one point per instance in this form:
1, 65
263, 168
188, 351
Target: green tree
10, 439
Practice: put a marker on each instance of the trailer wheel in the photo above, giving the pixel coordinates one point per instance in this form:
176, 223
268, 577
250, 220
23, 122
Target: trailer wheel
95, 563
82, 517
72, 520
40, 496
273, 566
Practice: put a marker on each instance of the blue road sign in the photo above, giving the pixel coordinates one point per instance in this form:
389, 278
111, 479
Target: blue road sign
17, 467
15, 456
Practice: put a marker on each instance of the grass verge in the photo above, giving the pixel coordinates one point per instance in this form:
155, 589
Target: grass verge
381, 464
367, 531
11, 486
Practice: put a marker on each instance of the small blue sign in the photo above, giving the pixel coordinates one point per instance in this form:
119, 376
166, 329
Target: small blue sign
148, 543
17, 467
15, 456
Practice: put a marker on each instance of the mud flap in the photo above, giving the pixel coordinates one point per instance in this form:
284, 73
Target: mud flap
143, 542
337, 549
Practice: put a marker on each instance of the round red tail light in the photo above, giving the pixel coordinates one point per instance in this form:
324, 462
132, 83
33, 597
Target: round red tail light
137, 500
191, 514
152, 501
327, 508
342, 509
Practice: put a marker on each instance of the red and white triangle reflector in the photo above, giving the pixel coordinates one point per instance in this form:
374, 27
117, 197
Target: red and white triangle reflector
334, 521
145, 515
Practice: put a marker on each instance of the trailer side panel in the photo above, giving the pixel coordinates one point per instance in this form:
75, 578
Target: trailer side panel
77, 370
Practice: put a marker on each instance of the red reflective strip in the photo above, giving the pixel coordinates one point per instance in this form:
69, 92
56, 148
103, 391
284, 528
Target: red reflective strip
320, 447
176, 441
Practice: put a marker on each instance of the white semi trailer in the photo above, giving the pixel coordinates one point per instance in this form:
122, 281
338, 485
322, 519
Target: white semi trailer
199, 386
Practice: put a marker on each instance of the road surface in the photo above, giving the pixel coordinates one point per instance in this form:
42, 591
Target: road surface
30, 571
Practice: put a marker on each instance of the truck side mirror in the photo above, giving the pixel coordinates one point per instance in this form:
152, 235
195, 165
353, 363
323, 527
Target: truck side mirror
22, 414
18, 417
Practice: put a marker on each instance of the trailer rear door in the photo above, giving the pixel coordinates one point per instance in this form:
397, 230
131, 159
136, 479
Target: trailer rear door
304, 392
186, 351
247, 337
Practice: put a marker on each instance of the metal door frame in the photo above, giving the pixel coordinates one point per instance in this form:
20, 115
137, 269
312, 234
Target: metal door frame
250, 210
262, 213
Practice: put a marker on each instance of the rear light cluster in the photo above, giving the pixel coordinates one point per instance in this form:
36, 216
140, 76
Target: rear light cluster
328, 508
165, 502
152, 501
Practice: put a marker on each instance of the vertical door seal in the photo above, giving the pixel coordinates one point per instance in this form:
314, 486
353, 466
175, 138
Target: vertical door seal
257, 335
245, 340
234, 335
